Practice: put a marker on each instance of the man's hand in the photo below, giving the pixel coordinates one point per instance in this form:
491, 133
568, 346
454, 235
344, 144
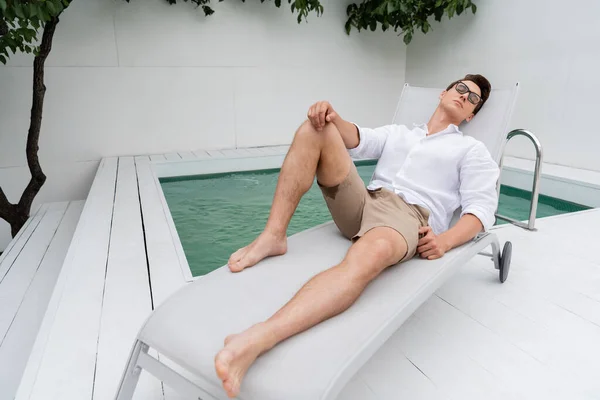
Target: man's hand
431, 246
320, 113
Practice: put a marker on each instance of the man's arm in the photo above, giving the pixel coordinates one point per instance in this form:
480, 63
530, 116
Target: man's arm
432, 246
362, 143
348, 131
479, 200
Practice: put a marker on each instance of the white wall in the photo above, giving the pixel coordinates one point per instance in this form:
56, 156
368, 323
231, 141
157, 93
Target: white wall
550, 47
145, 78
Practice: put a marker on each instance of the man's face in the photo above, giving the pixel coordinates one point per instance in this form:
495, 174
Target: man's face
457, 104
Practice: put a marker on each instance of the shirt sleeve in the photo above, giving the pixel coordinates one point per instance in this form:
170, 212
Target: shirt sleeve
479, 174
371, 142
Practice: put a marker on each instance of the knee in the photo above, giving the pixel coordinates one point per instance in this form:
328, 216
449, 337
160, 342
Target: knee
383, 250
307, 129
365, 265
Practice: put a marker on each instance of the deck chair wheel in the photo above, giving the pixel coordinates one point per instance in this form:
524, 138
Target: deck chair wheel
505, 261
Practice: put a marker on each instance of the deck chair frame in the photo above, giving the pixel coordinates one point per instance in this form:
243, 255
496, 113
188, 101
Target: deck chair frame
201, 388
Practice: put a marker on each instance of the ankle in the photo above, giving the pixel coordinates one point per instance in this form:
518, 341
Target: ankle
268, 338
276, 232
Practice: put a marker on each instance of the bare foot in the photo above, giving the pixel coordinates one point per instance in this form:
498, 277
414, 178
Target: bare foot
240, 351
265, 245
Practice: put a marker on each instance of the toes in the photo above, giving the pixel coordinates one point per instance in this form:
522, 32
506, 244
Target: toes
237, 256
229, 338
231, 387
222, 365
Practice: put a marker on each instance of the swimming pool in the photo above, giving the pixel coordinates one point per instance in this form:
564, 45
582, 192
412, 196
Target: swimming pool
217, 214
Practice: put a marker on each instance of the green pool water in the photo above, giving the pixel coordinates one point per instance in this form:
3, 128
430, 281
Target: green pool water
217, 214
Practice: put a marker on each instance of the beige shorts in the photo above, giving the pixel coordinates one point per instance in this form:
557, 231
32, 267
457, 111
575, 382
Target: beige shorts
356, 210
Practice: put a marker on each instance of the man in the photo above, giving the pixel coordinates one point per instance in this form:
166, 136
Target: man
423, 175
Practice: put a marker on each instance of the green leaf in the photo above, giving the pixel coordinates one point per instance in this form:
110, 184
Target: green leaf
9, 14
407, 37
2, 59
474, 8
348, 26
373, 25
44, 16
3, 5
19, 11
51, 8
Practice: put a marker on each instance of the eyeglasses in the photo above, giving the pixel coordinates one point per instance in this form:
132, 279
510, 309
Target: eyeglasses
473, 97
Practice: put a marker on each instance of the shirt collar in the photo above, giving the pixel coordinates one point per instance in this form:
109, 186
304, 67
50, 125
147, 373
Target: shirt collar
450, 129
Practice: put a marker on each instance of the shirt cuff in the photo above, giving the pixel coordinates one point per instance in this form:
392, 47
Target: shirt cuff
356, 151
482, 215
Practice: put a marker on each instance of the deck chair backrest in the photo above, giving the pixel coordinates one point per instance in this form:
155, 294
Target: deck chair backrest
490, 125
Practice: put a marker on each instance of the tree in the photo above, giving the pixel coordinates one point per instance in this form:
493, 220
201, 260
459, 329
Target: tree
404, 15
21, 21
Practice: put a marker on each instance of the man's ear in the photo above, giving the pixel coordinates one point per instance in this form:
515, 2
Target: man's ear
443, 94
469, 118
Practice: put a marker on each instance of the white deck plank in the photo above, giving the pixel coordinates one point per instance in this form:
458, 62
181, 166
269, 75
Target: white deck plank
574, 362
157, 157
358, 389
183, 263
201, 154
17, 237
282, 149
19, 277
454, 373
165, 272
566, 362
522, 374
233, 153
187, 155
63, 361
17, 345
172, 157
259, 151
269, 150
215, 153
16, 245
127, 300
255, 152
392, 376
542, 269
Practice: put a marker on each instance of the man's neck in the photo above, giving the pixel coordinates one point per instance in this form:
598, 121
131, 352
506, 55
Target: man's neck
440, 121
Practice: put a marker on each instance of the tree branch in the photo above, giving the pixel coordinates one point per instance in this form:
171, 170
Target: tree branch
5, 205
3, 27
39, 90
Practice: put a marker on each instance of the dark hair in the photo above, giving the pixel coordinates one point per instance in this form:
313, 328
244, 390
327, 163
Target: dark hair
484, 86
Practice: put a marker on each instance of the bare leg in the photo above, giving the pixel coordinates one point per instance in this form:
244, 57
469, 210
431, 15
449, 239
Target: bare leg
322, 153
324, 296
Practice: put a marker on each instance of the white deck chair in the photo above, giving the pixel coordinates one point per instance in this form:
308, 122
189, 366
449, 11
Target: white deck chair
190, 326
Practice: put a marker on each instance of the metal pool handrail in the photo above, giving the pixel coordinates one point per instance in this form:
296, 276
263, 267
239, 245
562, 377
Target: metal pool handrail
536, 178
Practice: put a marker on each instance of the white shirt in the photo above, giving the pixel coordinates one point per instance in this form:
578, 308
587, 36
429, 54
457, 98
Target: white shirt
441, 172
